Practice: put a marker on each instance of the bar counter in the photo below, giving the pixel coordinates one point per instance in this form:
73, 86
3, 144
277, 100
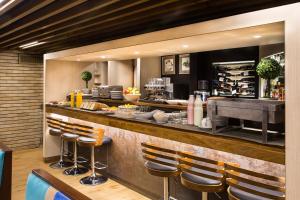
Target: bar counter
180, 133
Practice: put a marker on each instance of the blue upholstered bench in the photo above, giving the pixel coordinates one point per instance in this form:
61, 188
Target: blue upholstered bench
5, 172
43, 186
2, 153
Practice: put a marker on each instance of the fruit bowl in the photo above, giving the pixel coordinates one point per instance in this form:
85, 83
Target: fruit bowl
132, 97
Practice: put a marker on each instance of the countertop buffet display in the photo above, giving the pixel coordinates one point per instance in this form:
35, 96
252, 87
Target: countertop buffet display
263, 111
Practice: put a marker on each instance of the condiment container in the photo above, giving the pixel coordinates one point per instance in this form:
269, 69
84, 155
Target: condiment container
206, 123
198, 111
190, 110
78, 99
72, 99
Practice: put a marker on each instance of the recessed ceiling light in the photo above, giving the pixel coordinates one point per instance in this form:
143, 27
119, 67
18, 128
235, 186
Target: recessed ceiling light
136, 52
257, 36
78, 59
31, 44
102, 56
185, 46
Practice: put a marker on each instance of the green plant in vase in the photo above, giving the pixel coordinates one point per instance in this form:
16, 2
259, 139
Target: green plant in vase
86, 76
268, 69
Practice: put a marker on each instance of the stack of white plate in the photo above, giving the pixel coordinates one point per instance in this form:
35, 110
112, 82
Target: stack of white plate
116, 94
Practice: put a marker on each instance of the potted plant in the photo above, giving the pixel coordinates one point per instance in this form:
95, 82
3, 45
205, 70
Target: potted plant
268, 69
86, 76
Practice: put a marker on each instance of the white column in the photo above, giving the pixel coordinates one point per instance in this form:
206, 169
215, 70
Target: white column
292, 77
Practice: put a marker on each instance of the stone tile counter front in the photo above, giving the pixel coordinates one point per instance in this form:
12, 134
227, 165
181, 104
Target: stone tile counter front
126, 164
180, 133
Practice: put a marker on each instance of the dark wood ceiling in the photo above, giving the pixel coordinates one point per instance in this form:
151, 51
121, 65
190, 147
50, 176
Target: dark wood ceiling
65, 24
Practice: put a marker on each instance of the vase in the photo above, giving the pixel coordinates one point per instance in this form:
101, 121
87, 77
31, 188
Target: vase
268, 89
85, 91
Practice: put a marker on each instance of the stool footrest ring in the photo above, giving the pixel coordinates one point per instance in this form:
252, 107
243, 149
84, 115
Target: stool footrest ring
68, 154
81, 159
100, 166
61, 164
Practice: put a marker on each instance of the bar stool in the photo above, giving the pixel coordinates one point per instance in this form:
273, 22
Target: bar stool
55, 130
160, 162
69, 134
249, 185
96, 138
201, 174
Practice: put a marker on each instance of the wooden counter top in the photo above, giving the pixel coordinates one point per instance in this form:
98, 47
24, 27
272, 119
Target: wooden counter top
242, 147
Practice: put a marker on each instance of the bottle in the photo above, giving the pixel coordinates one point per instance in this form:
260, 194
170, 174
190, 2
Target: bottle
190, 110
78, 99
72, 99
235, 88
198, 111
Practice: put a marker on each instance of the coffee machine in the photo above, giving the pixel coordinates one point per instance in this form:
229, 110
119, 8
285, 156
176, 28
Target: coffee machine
158, 89
203, 90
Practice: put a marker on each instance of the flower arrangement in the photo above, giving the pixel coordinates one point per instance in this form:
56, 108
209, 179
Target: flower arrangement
86, 76
268, 69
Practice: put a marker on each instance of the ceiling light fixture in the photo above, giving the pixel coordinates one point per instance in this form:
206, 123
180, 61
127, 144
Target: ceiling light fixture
78, 59
31, 44
103, 56
257, 36
28, 44
5, 5
185, 46
136, 52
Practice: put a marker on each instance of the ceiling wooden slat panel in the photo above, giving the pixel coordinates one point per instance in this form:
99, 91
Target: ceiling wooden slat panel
24, 9
39, 15
60, 24
111, 30
108, 28
112, 20
69, 16
64, 24
6, 5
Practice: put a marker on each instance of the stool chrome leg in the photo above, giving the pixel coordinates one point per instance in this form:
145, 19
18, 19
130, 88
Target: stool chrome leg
75, 170
61, 163
166, 188
94, 179
204, 196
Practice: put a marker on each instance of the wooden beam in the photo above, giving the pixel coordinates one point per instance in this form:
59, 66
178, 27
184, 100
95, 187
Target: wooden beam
53, 8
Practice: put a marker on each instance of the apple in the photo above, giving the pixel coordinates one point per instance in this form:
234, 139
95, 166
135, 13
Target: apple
131, 90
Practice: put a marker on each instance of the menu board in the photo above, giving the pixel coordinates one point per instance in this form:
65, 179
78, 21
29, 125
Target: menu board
234, 79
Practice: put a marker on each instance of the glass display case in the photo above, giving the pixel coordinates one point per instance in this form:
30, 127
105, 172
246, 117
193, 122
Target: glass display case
235, 79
